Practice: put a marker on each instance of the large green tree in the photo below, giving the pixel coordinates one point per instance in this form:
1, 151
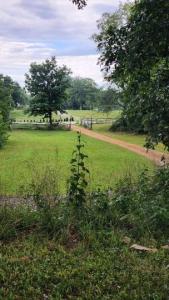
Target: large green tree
109, 100
47, 83
19, 97
83, 93
5, 106
18, 94
135, 55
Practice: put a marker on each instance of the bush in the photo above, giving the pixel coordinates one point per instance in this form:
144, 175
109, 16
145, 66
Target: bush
142, 205
14, 221
3, 133
122, 124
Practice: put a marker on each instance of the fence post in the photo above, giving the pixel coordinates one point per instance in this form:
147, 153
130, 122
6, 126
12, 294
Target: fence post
70, 124
91, 124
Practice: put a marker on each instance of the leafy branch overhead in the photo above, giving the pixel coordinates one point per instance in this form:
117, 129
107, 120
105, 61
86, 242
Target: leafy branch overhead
80, 3
11, 95
133, 45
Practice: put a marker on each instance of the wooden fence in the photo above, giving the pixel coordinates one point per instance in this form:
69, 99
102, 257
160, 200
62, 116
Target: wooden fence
89, 122
33, 124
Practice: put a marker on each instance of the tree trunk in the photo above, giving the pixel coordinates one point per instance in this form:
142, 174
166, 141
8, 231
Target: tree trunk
50, 119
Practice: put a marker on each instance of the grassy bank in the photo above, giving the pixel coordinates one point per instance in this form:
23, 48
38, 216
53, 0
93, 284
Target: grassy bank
137, 139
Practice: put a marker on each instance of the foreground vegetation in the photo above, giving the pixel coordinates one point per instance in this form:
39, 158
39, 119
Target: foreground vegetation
134, 56
28, 152
69, 249
101, 267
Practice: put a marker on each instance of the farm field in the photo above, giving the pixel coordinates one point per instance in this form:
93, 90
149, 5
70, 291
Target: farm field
94, 114
123, 136
19, 115
27, 154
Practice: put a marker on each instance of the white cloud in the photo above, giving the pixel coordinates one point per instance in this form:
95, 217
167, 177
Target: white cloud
15, 58
30, 19
33, 30
83, 66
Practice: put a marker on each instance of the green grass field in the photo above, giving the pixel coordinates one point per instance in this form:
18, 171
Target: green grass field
27, 153
94, 114
123, 136
19, 115
86, 258
101, 128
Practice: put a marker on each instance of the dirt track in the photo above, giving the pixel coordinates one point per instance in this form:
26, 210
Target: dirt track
153, 155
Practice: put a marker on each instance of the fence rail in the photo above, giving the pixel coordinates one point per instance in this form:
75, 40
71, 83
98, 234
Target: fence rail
58, 123
89, 122
40, 125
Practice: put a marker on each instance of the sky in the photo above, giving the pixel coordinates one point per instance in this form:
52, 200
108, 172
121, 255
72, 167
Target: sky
33, 30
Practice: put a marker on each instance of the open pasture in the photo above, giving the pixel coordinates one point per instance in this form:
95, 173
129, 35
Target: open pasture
94, 114
27, 154
19, 115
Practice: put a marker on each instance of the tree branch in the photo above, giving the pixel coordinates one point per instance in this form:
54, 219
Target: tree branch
80, 3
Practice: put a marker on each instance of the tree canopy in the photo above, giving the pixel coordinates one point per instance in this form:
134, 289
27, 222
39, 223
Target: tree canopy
5, 105
133, 43
109, 100
47, 84
19, 97
17, 93
83, 93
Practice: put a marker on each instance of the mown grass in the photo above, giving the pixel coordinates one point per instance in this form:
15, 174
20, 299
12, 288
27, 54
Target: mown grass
94, 114
19, 115
137, 139
28, 152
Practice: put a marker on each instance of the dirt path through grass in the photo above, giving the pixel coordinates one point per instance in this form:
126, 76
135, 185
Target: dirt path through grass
153, 155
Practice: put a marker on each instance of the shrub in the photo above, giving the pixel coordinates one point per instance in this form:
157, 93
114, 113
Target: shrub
123, 125
16, 220
3, 133
143, 205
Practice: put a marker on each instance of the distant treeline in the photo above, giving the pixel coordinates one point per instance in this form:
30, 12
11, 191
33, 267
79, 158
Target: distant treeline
84, 93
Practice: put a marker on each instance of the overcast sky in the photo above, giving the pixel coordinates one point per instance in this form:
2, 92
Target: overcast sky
33, 30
